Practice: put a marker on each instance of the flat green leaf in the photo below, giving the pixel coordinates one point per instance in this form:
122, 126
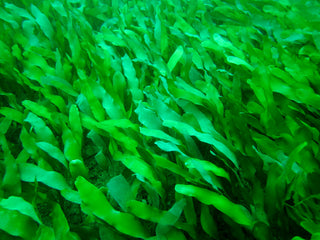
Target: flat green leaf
185, 27
18, 11
21, 205
43, 132
28, 143
160, 34
12, 114
168, 147
316, 39
60, 225
75, 123
109, 125
266, 159
184, 128
239, 61
113, 109
77, 168
236, 212
60, 84
5, 16
170, 166
214, 97
196, 59
94, 103
45, 233
57, 100
188, 88
207, 166
10, 181
137, 48
37, 109
170, 218
148, 117
211, 46
163, 111
203, 121
43, 22
30, 172
208, 61
71, 195
36, 60
120, 190
182, 94
205, 174
175, 58
12, 99
283, 75
84, 105
138, 166
17, 224
207, 222
72, 148
159, 134
97, 140
74, 44
97, 203
130, 72
119, 84
222, 42
58, 6
53, 151
144, 211
115, 39
4, 125
191, 217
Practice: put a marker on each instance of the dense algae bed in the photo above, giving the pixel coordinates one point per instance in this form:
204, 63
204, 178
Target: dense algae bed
159, 119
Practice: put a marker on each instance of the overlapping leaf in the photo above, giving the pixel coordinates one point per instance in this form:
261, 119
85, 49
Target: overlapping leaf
178, 110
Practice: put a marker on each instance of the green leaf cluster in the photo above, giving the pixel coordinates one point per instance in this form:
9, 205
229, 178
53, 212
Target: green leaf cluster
159, 120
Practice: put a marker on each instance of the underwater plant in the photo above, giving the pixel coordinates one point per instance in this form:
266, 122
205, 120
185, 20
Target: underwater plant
159, 120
